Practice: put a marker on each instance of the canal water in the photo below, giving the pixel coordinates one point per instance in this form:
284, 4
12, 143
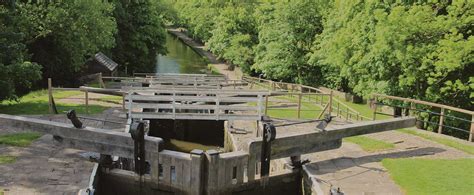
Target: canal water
180, 58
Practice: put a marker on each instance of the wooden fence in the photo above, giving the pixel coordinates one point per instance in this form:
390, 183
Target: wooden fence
412, 109
196, 104
306, 95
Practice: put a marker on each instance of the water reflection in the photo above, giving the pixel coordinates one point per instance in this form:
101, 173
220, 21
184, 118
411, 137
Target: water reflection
180, 58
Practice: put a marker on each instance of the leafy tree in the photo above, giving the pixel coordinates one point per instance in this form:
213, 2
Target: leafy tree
286, 34
61, 35
17, 75
141, 34
234, 36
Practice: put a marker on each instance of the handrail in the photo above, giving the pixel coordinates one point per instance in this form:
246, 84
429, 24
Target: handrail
349, 111
426, 103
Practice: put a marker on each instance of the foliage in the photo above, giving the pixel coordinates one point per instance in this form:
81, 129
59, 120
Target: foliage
432, 176
233, 36
419, 50
61, 35
286, 33
141, 34
17, 74
23, 139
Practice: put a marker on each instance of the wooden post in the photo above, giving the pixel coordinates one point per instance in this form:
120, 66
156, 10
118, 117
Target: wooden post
300, 95
412, 107
101, 81
338, 111
273, 86
441, 121
87, 100
471, 135
266, 105
330, 103
374, 108
322, 98
50, 96
347, 113
123, 101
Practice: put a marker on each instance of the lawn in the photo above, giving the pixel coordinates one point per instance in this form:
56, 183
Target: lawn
432, 176
37, 103
369, 144
23, 139
6, 160
445, 141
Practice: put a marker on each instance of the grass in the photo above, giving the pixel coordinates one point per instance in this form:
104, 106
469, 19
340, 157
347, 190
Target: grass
37, 103
445, 141
23, 139
112, 99
432, 176
369, 144
4, 159
213, 69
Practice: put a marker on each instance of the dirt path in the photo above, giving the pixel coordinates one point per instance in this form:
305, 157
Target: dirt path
199, 48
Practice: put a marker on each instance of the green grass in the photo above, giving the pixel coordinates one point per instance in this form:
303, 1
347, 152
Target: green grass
112, 99
23, 139
368, 144
37, 103
445, 141
213, 69
432, 176
6, 160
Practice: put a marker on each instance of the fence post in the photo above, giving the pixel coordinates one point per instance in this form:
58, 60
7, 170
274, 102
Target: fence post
50, 96
273, 86
472, 129
266, 105
330, 103
338, 111
300, 95
123, 101
212, 172
196, 171
441, 121
87, 100
101, 81
374, 108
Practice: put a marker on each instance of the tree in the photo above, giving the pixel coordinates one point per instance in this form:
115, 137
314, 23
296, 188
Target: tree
141, 35
17, 75
234, 36
286, 34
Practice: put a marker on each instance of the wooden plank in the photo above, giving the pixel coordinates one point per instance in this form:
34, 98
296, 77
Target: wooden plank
105, 141
50, 96
193, 116
294, 145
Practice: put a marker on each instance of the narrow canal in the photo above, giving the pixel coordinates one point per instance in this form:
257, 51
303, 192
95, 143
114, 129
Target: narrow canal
180, 58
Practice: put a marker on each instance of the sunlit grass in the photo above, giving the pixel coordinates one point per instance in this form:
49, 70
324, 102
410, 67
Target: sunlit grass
23, 139
432, 176
445, 141
369, 144
36, 102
